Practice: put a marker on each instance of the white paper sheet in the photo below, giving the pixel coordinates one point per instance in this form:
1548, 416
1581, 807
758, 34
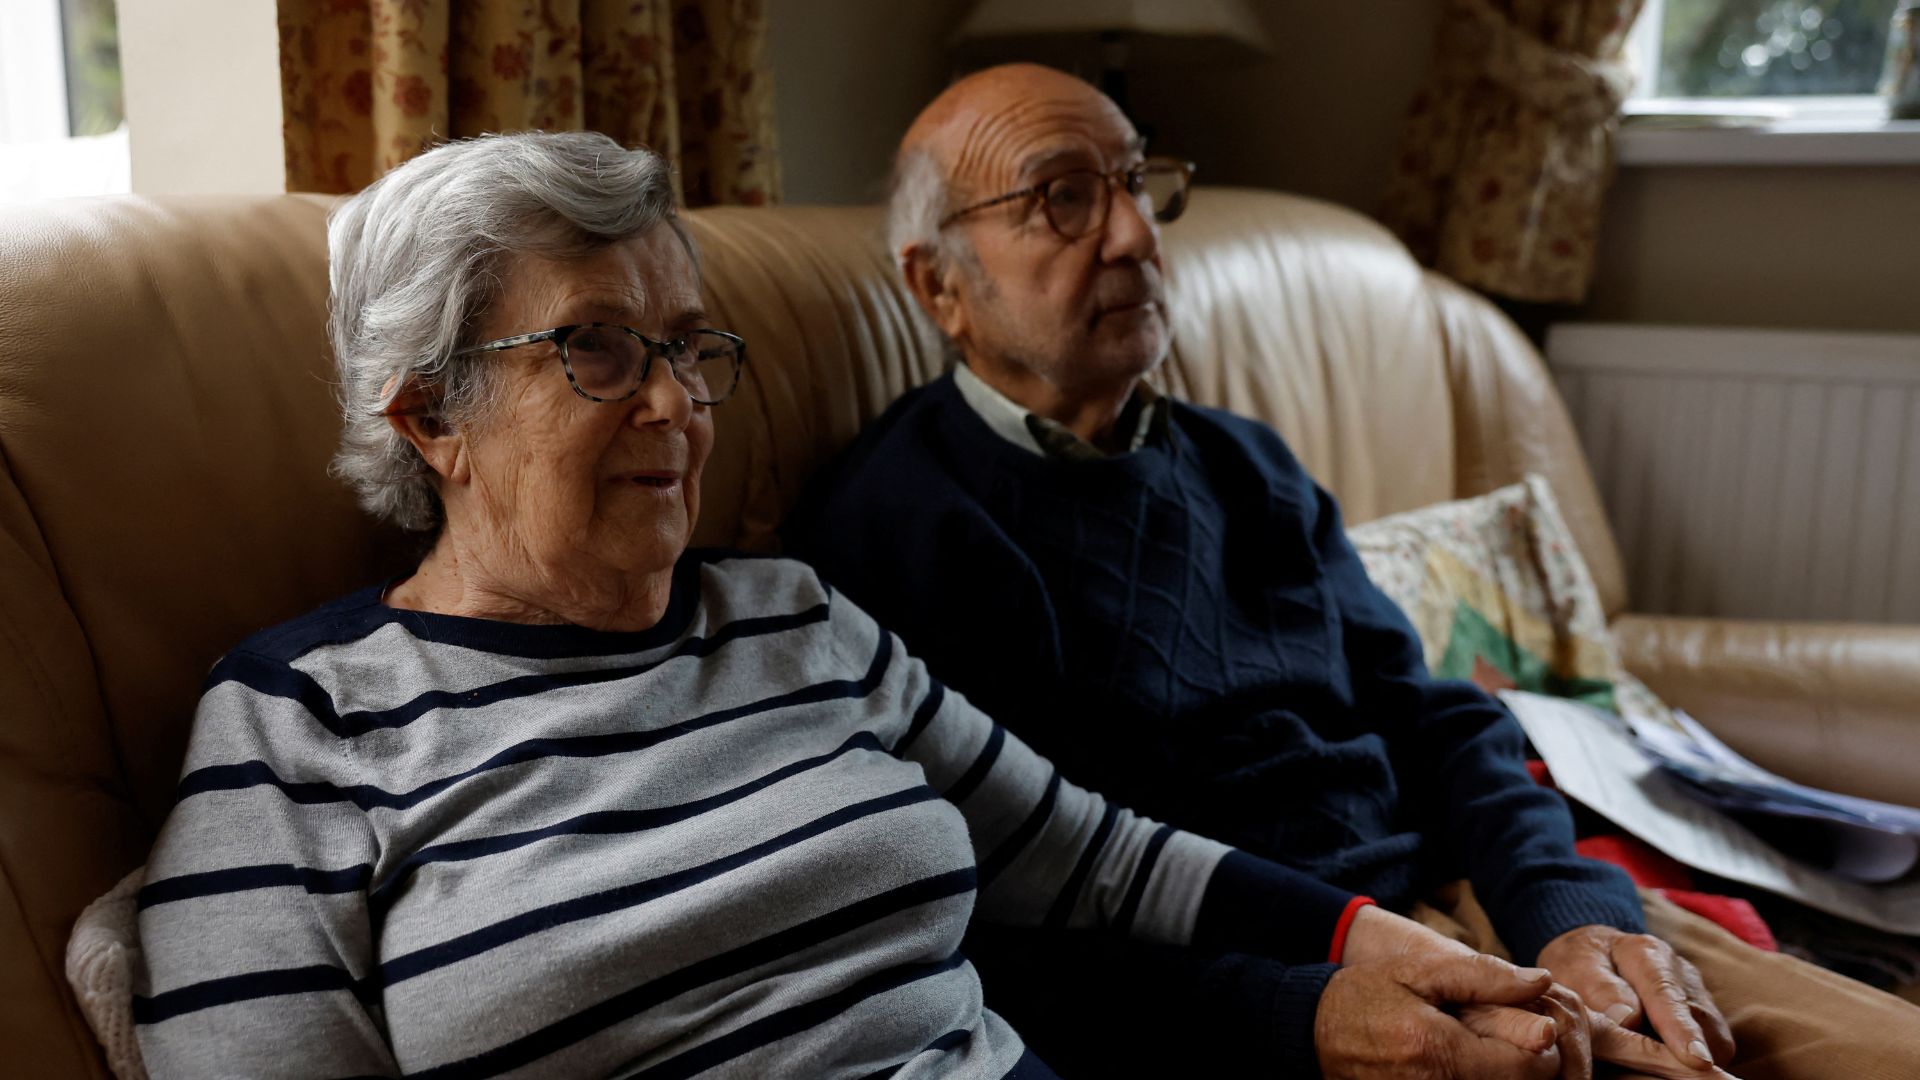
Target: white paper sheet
1595, 761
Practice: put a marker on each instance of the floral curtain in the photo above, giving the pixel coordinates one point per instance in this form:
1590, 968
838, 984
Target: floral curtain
1509, 147
367, 84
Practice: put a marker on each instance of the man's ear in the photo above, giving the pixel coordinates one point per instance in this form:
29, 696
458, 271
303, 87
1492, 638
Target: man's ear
935, 283
415, 415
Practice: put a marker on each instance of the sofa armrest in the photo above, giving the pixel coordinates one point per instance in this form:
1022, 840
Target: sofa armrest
1833, 705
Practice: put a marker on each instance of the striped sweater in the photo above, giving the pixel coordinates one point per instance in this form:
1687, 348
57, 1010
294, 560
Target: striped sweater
744, 842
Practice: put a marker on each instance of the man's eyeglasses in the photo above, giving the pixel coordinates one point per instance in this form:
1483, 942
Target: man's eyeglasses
1076, 203
607, 362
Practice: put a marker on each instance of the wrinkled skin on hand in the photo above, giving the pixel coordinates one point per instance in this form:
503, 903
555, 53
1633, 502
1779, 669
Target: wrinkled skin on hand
1631, 977
1387, 1018
1410, 1002
1584, 1036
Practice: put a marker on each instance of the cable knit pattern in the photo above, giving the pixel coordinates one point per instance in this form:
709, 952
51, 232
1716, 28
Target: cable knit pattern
101, 956
1187, 629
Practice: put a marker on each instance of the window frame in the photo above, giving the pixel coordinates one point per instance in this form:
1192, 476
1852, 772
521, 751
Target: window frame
1840, 129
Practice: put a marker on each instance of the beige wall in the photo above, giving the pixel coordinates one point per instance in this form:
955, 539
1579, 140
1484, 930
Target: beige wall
1830, 248
1792, 246
1321, 116
202, 81
848, 76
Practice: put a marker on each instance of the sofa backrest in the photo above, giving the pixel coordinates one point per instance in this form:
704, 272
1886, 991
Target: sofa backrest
1292, 311
1397, 388
167, 414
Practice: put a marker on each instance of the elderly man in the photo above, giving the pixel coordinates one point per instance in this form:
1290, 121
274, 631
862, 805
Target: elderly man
1160, 598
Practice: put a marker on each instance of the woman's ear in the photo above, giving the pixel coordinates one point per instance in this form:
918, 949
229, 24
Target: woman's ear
415, 415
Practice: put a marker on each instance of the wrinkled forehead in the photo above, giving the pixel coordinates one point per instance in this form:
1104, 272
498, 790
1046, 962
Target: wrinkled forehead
641, 280
1003, 146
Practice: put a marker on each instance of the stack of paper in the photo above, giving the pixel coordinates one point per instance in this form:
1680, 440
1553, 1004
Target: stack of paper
1652, 786
1858, 838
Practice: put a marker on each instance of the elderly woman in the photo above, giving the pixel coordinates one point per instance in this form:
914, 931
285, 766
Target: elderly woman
570, 799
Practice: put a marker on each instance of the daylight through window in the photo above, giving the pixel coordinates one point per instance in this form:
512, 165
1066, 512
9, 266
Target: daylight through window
1768, 48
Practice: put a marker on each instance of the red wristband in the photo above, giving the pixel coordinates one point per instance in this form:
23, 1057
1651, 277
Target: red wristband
1345, 924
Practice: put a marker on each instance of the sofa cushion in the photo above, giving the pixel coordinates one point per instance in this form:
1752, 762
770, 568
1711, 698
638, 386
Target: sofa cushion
1497, 593
1497, 590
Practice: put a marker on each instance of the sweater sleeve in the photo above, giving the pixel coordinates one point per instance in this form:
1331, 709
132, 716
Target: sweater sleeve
1457, 750
254, 928
1050, 853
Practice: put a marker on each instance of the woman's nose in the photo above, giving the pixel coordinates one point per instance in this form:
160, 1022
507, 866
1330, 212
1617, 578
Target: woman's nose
662, 401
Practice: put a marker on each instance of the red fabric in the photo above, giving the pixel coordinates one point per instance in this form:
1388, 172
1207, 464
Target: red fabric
1345, 924
1648, 868
1735, 916
1538, 770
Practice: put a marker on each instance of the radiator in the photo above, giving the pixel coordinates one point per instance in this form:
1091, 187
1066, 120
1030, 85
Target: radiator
1768, 474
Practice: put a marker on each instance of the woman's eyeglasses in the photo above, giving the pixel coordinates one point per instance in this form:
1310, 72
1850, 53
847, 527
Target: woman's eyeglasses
607, 362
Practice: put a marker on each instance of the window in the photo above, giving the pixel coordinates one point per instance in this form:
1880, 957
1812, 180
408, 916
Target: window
1763, 48
1762, 82
62, 119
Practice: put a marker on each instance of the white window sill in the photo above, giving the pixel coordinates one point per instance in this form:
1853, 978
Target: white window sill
1809, 131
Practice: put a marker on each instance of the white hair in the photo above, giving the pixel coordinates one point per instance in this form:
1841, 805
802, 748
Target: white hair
916, 201
417, 257
918, 198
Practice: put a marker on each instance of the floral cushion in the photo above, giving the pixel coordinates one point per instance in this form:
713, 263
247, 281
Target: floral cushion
1500, 597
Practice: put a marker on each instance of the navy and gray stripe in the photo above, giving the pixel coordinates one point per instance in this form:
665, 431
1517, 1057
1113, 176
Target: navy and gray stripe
716, 847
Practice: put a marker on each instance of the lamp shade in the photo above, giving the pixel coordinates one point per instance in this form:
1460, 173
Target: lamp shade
1198, 21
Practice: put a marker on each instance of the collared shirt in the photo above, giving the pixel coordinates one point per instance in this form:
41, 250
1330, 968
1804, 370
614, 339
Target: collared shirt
1143, 417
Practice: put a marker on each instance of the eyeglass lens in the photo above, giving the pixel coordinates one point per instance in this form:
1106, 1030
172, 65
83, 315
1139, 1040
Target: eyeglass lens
1076, 203
608, 363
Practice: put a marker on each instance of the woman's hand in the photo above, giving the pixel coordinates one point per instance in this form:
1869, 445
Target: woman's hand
1392, 1018
1378, 934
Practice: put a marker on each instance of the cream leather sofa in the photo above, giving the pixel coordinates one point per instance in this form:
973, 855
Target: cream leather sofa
166, 419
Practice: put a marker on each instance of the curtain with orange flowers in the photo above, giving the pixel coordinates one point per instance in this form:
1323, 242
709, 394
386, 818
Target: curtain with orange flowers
1508, 150
367, 84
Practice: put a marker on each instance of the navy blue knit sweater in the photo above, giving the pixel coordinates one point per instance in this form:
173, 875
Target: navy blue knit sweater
1186, 629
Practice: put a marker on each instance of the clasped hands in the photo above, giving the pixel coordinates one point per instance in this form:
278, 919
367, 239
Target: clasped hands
1408, 1002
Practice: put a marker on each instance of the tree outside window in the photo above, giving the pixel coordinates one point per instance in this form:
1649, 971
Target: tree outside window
92, 46
1764, 48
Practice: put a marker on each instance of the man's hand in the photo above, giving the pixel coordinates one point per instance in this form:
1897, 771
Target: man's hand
1572, 1027
1584, 1032
1627, 976
1384, 1018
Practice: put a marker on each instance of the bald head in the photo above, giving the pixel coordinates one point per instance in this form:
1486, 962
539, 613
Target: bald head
979, 128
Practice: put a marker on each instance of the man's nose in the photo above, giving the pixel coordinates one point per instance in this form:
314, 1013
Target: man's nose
662, 402
1131, 234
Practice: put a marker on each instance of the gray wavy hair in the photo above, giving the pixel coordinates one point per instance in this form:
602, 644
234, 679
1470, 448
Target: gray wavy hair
416, 258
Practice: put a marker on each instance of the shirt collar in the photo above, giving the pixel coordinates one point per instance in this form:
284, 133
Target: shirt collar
1142, 418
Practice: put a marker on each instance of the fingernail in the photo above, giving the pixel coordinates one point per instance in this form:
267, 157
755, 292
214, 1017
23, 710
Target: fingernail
1699, 1049
1619, 1011
1532, 974
1546, 1032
